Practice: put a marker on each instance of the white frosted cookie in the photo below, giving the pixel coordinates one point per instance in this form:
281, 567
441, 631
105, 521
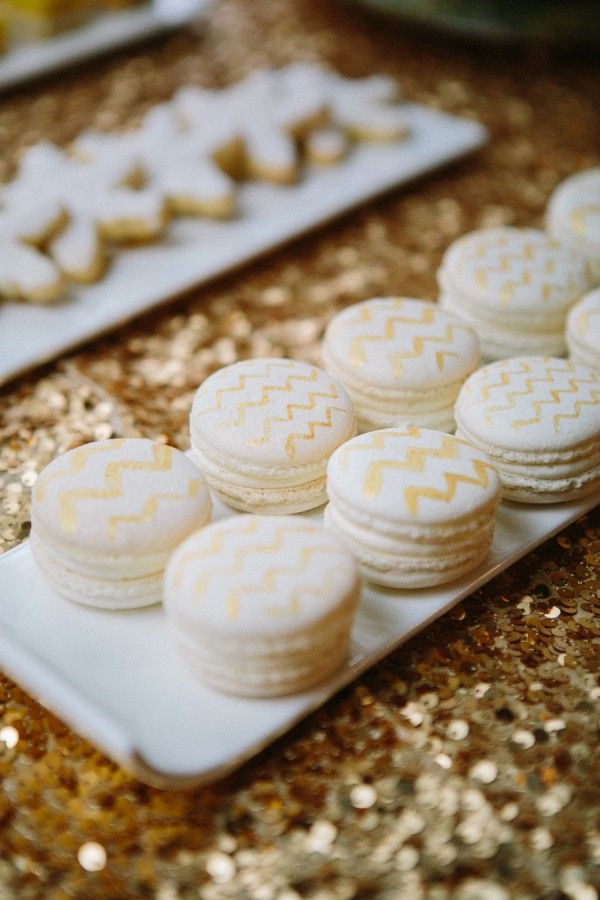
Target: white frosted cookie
173, 161
583, 330
326, 146
573, 215
262, 605
538, 419
416, 507
262, 431
98, 204
402, 361
366, 108
515, 287
106, 517
25, 272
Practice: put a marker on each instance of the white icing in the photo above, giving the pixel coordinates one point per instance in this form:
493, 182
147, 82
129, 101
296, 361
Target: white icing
276, 416
89, 191
259, 576
24, 271
573, 214
401, 344
510, 273
532, 404
119, 498
413, 476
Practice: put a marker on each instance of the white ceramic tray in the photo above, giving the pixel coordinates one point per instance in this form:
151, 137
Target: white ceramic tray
196, 250
115, 678
103, 34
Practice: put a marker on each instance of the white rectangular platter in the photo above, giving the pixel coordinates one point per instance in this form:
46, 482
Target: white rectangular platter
103, 34
115, 678
196, 250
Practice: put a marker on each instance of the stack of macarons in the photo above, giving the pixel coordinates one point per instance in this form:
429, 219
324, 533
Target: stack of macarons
262, 604
515, 287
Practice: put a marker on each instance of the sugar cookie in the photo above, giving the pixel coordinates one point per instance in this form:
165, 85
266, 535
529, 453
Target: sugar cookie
262, 605
262, 431
515, 287
538, 419
416, 507
173, 162
573, 216
25, 272
98, 204
106, 517
402, 361
583, 330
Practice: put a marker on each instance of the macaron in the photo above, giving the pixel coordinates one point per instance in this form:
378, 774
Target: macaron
262, 431
262, 605
402, 361
107, 516
416, 507
583, 330
538, 419
573, 215
515, 287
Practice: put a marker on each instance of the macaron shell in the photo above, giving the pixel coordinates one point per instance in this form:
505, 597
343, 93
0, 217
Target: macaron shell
573, 214
265, 576
520, 271
531, 405
401, 343
124, 497
271, 414
412, 475
583, 329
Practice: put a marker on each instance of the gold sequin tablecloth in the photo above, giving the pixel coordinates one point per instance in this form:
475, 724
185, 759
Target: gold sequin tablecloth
466, 764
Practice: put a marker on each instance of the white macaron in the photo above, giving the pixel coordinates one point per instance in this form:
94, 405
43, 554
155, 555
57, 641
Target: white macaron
538, 419
583, 330
262, 431
416, 507
573, 215
262, 605
515, 286
402, 361
106, 517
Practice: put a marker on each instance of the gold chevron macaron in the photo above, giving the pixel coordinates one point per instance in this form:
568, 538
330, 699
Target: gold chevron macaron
106, 516
583, 330
415, 506
538, 419
573, 216
515, 286
402, 361
262, 605
262, 431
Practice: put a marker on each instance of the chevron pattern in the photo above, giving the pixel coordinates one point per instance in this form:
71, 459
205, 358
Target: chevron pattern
150, 507
243, 380
412, 495
243, 558
162, 457
418, 343
530, 262
309, 434
358, 355
77, 461
415, 461
513, 399
377, 441
269, 583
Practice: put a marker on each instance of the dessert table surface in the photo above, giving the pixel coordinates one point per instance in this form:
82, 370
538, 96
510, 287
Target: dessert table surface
466, 763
